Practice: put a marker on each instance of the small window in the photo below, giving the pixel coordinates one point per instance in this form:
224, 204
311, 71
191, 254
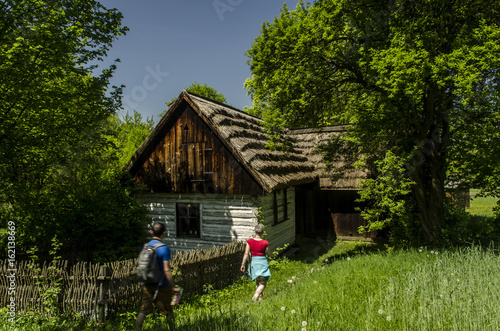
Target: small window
275, 208
207, 169
185, 134
280, 210
285, 206
188, 220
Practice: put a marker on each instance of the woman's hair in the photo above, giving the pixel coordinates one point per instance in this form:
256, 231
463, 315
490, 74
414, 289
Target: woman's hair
259, 229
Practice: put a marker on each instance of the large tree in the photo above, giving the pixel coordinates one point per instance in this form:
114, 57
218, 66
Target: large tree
56, 172
417, 78
50, 94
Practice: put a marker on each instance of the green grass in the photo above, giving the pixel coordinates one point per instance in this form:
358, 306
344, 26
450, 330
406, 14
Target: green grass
355, 286
481, 206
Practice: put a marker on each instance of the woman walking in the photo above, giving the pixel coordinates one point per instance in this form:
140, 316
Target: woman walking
259, 267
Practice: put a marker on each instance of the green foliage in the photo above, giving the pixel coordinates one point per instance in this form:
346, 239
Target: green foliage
387, 70
277, 261
206, 91
86, 202
58, 169
463, 229
50, 99
215, 301
128, 133
388, 200
49, 285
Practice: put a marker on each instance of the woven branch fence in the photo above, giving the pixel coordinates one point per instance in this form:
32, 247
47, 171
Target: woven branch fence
104, 290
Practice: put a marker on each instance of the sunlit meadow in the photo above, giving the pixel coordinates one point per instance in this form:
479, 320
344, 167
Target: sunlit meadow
352, 286
482, 206
348, 289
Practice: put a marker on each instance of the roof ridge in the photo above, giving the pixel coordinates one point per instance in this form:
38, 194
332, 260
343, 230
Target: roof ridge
208, 100
321, 129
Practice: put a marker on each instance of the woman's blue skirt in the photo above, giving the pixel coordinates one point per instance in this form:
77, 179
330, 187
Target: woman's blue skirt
259, 267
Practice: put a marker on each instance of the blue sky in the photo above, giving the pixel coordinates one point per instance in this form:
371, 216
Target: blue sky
172, 43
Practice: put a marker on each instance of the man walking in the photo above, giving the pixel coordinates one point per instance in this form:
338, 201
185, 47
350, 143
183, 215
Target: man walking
165, 289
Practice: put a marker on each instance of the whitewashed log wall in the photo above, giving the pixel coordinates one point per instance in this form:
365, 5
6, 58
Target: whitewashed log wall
224, 218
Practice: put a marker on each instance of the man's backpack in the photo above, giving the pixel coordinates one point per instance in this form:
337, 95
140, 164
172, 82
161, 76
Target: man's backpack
147, 265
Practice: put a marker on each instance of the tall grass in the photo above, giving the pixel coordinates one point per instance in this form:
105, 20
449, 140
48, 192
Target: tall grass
355, 286
401, 290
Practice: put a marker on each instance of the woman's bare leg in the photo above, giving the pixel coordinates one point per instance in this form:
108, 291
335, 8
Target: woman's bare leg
258, 291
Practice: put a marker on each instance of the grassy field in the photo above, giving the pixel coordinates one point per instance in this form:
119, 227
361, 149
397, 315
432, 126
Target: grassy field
481, 206
356, 287
353, 286
348, 286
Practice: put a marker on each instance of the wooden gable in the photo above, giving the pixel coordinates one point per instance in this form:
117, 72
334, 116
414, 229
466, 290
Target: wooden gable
188, 157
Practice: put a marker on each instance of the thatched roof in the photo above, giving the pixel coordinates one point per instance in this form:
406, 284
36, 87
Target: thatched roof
307, 142
247, 139
244, 135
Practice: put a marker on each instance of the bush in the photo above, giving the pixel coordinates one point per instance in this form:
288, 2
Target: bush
95, 216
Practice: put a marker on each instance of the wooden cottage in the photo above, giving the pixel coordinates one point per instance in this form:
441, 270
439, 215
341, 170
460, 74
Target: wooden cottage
326, 207
211, 179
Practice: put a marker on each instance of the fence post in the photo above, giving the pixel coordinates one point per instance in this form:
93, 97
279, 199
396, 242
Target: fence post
103, 277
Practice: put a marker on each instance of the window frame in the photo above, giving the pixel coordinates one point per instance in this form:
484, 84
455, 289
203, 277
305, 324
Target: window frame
285, 205
182, 212
284, 200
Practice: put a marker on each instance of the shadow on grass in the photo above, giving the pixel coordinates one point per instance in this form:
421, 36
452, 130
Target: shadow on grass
230, 320
310, 250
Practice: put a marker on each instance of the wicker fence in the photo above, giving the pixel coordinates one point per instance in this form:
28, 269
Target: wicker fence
102, 291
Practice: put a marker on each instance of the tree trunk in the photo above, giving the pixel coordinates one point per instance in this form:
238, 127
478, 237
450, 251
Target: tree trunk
430, 195
429, 168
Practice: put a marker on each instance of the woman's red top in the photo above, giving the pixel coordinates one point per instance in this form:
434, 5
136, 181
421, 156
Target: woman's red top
258, 247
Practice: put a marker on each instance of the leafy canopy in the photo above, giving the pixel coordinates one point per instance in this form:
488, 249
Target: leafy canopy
128, 133
417, 78
58, 173
206, 91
